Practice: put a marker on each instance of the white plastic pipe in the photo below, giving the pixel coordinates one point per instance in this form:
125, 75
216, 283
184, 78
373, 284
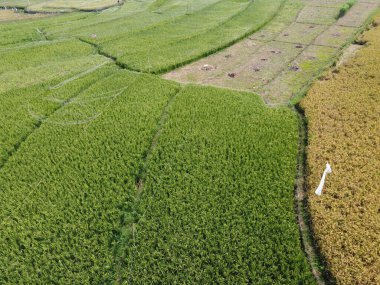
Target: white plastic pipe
322, 183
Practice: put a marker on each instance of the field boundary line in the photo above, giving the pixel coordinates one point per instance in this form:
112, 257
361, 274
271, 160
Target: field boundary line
114, 59
79, 75
316, 260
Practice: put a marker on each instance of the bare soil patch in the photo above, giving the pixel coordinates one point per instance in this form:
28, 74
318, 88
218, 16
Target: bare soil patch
357, 14
282, 59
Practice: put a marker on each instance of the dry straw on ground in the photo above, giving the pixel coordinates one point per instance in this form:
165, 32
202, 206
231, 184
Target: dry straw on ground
343, 112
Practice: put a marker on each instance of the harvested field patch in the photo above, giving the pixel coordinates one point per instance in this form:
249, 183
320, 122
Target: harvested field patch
220, 64
325, 3
357, 14
343, 113
300, 33
297, 75
335, 36
270, 59
318, 15
288, 53
283, 19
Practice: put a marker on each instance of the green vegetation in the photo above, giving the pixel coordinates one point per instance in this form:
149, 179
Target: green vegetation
112, 176
345, 7
156, 38
64, 191
54, 6
103, 198
217, 202
46, 61
173, 44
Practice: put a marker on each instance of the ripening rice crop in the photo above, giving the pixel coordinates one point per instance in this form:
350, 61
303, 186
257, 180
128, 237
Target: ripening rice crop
343, 112
64, 192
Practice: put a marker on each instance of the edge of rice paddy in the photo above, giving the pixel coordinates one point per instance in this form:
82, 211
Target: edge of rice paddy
317, 260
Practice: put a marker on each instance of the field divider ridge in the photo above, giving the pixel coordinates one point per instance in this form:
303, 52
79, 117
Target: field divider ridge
114, 59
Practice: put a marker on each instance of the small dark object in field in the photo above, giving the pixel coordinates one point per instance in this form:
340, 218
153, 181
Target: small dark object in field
232, 75
311, 57
294, 68
256, 69
360, 42
228, 56
275, 51
299, 46
285, 35
311, 27
264, 59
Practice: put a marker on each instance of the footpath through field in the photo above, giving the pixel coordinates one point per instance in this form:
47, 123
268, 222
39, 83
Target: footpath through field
283, 58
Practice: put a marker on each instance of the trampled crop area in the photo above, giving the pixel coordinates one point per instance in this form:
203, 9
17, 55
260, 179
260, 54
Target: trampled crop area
112, 174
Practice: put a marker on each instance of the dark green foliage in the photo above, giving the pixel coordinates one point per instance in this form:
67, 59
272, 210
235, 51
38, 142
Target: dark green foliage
345, 7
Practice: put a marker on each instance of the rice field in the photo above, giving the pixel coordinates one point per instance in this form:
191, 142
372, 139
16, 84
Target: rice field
114, 171
343, 115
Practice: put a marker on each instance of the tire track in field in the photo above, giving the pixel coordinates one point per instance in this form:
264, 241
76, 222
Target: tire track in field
37, 124
139, 182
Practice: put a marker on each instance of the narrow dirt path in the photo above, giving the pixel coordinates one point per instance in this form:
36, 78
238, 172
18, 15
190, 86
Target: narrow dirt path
283, 58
